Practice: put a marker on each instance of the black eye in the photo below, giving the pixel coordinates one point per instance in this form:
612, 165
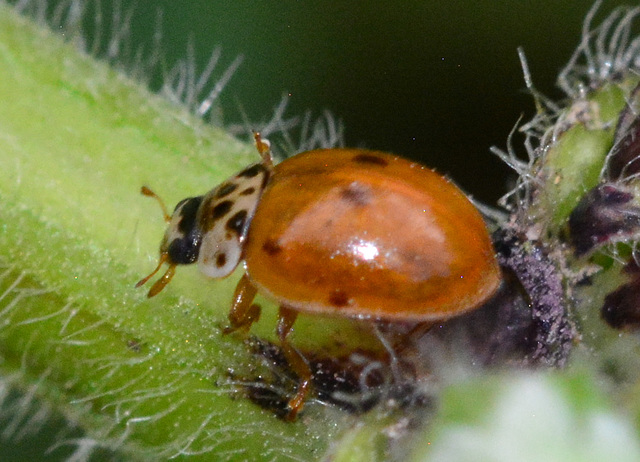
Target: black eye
185, 250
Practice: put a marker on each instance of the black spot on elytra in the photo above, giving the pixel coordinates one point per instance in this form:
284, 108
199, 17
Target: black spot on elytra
236, 222
356, 194
225, 190
338, 298
221, 209
271, 247
251, 171
221, 260
370, 159
248, 191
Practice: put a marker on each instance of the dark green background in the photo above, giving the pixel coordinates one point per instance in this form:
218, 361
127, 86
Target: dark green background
438, 81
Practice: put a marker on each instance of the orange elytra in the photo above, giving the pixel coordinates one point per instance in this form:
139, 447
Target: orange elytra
346, 232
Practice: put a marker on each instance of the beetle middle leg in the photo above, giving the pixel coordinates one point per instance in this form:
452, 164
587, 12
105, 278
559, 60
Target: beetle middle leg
286, 317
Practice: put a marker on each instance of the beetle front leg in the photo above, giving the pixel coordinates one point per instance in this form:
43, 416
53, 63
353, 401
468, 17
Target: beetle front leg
243, 311
297, 362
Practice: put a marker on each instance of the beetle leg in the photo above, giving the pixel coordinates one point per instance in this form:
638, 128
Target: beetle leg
243, 311
286, 317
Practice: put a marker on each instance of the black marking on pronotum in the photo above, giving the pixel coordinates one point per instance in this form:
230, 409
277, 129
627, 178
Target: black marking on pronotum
221, 209
225, 190
248, 191
188, 211
370, 159
236, 222
251, 171
179, 204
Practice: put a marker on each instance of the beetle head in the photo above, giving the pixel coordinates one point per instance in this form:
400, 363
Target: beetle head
181, 242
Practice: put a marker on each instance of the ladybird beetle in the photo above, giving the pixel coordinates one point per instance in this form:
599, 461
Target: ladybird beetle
345, 232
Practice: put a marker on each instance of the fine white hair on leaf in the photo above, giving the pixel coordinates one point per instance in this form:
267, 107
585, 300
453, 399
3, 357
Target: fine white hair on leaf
604, 51
535, 132
183, 82
24, 417
125, 405
521, 192
198, 91
205, 105
111, 40
293, 134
